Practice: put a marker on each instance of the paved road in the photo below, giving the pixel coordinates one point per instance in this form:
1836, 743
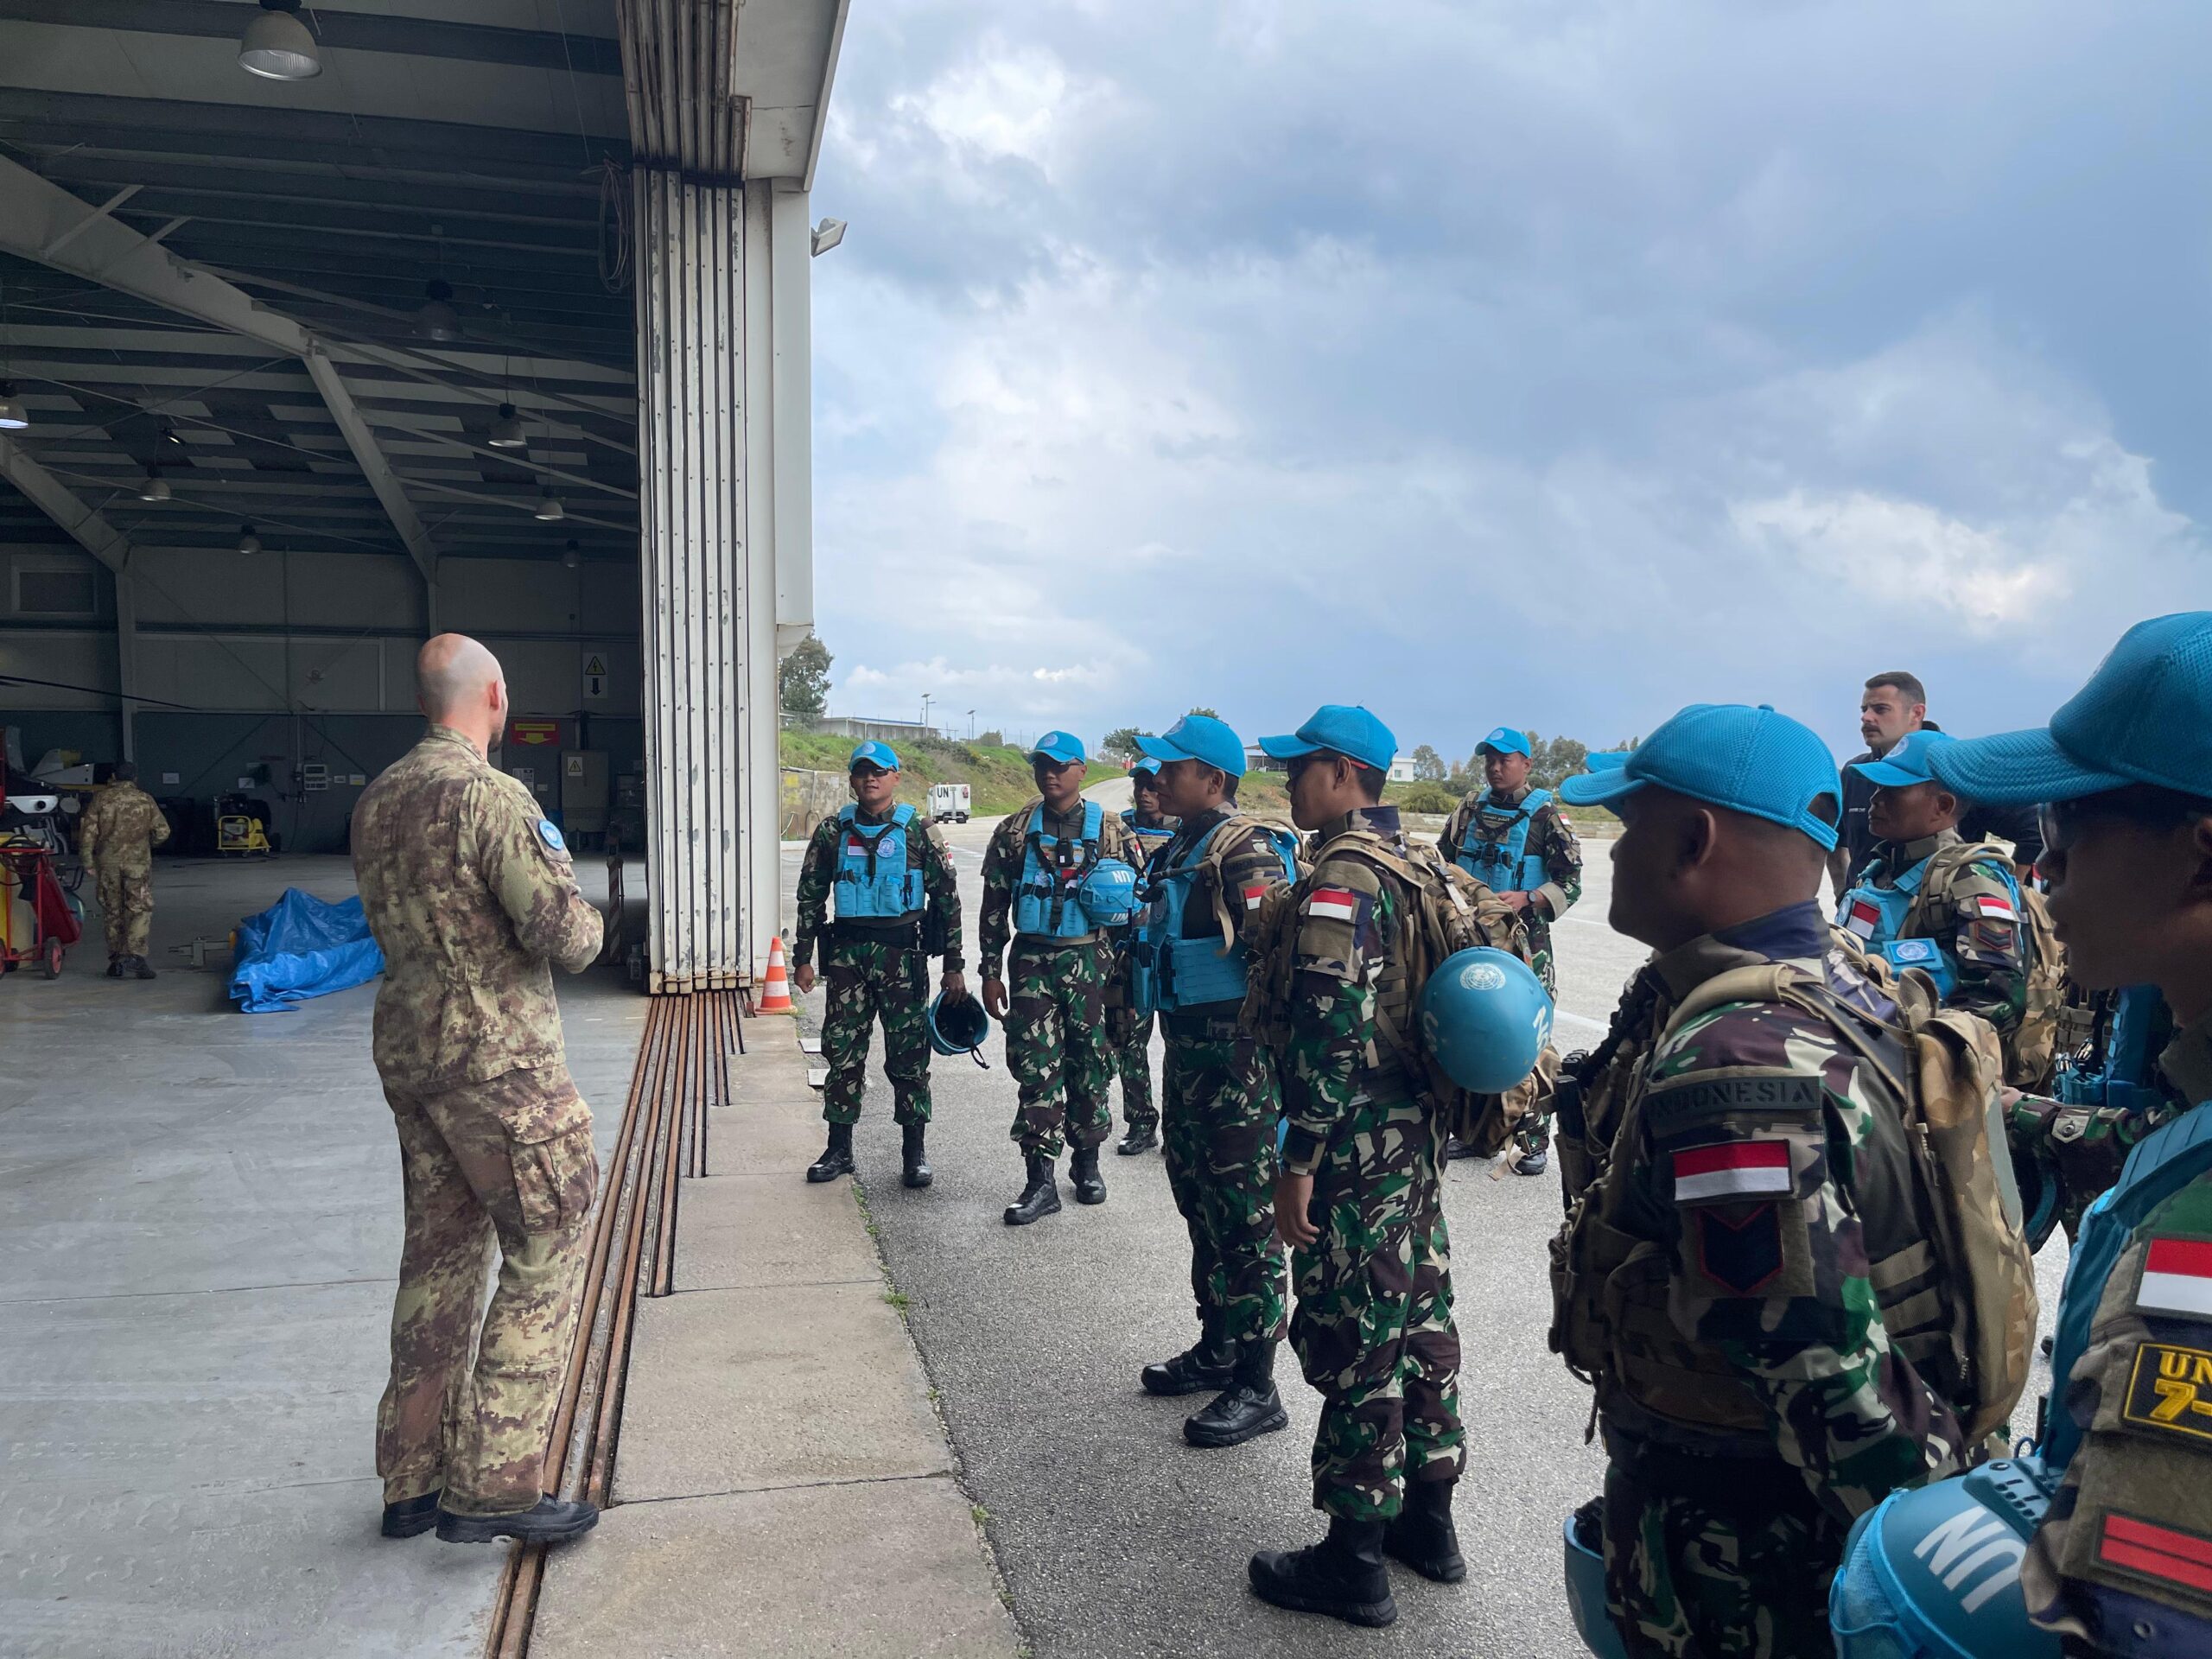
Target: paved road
1118, 1539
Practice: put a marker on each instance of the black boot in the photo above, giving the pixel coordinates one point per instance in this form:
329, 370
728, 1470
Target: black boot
917, 1164
1423, 1536
837, 1158
1342, 1576
1139, 1138
412, 1516
1247, 1408
115, 967
1041, 1197
142, 967
1455, 1147
1207, 1363
1082, 1170
1532, 1163
552, 1520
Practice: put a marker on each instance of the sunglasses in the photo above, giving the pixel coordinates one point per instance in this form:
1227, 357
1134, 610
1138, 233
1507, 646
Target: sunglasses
2061, 823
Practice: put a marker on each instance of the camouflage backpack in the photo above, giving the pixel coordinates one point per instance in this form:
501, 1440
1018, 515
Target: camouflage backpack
2031, 1051
1965, 1316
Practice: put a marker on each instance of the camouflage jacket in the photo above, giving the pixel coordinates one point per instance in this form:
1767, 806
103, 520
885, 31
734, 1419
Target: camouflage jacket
1966, 908
471, 896
1002, 862
1550, 838
120, 830
1716, 1280
926, 850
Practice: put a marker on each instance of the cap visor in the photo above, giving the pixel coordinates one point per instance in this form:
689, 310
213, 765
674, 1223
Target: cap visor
1287, 748
2017, 769
1887, 776
1059, 757
1159, 748
1598, 788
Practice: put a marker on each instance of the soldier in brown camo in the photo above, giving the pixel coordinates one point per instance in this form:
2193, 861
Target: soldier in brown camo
116, 840
471, 896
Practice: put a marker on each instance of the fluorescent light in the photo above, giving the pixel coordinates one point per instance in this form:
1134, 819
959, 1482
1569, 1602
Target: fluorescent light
276, 44
549, 510
506, 432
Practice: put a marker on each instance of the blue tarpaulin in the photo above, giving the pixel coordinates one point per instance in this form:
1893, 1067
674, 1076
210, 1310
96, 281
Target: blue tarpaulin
302, 947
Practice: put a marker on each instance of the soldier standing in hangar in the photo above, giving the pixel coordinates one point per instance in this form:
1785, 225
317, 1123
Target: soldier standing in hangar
116, 840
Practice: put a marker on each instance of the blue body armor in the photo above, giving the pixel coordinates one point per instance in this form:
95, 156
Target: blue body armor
1504, 865
1171, 973
1876, 915
1045, 904
1150, 841
876, 877
2124, 1081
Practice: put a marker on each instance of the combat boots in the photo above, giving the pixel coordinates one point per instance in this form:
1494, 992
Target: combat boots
115, 967
412, 1516
1139, 1137
1247, 1408
1041, 1197
837, 1158
1082, 1170
1423, 1536
141, 967
1532, 1163
918, 1172
550, 1521
1342, 1576
1209, 1363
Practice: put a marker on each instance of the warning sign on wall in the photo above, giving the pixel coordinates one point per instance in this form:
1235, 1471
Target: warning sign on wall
534, 734
595, 677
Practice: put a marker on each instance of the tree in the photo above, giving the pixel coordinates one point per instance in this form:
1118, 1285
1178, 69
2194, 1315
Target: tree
1553, 761
802, 677
1211, 713
1428, 765
1121, 743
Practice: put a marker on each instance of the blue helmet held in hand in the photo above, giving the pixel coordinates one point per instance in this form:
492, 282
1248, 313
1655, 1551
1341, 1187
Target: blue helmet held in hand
1108, 893
959, 1027
1485, 1018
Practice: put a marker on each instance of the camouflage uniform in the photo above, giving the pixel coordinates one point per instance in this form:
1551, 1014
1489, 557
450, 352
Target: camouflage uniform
116, 840
1552, 839
1373, 1327
1128, 1031
472, 897
1752, 1402
876, 970
1220, 1105
1988, 951
2089, 1145
1056, 1039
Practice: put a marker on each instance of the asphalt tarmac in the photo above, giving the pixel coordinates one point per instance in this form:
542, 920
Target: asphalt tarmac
1115, 1537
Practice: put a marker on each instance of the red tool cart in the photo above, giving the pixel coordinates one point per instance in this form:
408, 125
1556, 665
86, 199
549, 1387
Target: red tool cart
37, 922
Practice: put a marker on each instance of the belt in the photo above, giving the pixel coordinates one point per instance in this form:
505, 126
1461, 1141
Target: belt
1199, 1025
905, 931
1747, 1487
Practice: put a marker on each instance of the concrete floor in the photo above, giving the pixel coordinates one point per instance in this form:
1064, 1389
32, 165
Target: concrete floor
200, 1217
1115, 1537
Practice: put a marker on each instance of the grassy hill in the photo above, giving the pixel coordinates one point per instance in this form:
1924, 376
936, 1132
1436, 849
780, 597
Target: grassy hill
997, 776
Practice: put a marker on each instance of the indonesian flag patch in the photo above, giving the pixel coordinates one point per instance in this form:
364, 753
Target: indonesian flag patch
1734, 1169
1331, 904
1253, 895
2176, 1278
1863, 917
1993, 907
2157, 1552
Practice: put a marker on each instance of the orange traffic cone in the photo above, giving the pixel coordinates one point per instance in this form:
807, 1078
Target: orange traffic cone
775, 985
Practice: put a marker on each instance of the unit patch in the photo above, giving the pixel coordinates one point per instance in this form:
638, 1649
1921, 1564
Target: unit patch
2171, 1390
2155, 1552
550, 836
1740, 1252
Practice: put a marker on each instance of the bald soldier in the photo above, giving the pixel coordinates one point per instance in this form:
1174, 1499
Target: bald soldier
472, 898
116, 840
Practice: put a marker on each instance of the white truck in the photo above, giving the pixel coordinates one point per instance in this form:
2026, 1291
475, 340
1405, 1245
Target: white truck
949, 802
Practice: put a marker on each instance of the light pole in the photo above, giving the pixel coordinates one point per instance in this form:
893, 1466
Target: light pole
926, 701
971, 725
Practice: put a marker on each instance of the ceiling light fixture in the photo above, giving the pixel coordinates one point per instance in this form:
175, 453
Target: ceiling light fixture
248, 542
549, 510
572, 556
506, 432
436, 319
14, 417
276, 44
153, 486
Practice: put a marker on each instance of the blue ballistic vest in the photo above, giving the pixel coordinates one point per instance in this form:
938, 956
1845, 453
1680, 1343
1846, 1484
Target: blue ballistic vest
1876, 915
1045, 904
1171, 973
876, 877
1150, 841
1503, 864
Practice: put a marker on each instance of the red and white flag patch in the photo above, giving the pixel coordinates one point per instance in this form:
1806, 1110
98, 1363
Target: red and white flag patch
1863, 917
1734, 1169
1333, 903
1994, 907
2178, 1278
2158, 1551
1253, 895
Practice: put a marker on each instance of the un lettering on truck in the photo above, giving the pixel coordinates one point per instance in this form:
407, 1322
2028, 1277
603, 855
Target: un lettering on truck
949, 802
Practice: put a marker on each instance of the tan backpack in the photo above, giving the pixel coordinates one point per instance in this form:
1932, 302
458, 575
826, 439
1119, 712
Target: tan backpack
1970, 1331
2031, 1051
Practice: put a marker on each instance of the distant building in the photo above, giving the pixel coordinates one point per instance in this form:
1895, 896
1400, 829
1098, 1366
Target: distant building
1401, 771
1258, 759
860, 727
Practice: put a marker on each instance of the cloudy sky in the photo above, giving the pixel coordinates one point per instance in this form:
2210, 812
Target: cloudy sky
1544, 362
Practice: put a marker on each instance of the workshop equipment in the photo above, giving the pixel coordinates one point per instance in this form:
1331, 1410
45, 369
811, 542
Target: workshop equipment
38, 924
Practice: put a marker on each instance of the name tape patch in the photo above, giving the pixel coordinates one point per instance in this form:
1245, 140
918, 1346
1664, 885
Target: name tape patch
2171, 1390
1733, 1169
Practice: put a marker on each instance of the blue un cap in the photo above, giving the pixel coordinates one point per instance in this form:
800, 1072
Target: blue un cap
1341, 728
875, 755
1908, 762
2145, 717
1199, 737
1146, 766
1062, 746
1505, 739
1749, 760
1607, 760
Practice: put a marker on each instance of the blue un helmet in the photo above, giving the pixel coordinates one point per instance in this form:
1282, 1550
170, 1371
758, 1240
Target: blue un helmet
959, 1027
1109, 893
1485, 1018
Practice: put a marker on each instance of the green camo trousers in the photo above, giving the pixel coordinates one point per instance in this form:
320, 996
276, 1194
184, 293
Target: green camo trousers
1057, 1047
510, 1162
1533, 1131
1692, 1580
1220, 1102
1373, 1329
1130, 1032
867, 980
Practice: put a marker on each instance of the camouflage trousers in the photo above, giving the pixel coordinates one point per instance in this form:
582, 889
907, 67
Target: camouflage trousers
1533, 1131
868, 979
1056, 1046
1373, 1328
1220, 1102
508, 1163
126, 909
1691, 1579
1130, 1033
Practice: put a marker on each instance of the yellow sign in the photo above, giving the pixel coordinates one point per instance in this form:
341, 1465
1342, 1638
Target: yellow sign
2170, 1389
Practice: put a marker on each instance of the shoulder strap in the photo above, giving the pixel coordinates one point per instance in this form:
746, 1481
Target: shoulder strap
903, 814
1757, 982
1094, 820
845, 812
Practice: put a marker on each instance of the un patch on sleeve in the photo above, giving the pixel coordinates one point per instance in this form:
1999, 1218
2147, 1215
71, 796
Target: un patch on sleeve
550, 836
2169, 1391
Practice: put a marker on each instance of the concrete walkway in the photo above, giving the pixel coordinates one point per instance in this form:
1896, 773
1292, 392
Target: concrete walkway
783, 1483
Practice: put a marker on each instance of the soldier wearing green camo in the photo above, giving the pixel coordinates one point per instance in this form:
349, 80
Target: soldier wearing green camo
1057, 963
1129, 1027
886, 870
